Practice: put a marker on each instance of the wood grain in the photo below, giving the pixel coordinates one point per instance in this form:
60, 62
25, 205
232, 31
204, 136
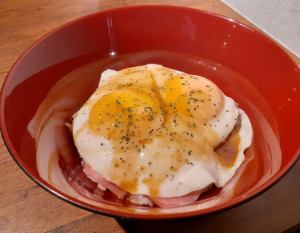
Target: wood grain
25, 207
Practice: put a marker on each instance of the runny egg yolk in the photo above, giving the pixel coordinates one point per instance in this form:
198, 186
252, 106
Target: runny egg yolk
124, 114
181, 99
173, 97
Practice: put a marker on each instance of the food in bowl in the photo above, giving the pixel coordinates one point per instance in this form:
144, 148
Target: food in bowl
59, 83
156, 136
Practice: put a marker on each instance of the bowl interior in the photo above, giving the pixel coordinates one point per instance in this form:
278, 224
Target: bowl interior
244, 63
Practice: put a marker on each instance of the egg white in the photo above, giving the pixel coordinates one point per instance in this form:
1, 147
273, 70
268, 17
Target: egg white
97, 152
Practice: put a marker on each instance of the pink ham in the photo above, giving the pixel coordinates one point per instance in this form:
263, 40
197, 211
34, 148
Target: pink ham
103, 183
177, 201
142, 200
96, 195
137, 199
91, 185
70, 163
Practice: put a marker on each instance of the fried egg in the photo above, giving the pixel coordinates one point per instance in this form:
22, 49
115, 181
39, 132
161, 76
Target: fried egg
159, 132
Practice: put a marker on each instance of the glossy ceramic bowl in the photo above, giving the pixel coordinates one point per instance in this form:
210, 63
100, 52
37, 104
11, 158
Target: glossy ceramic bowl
113, 33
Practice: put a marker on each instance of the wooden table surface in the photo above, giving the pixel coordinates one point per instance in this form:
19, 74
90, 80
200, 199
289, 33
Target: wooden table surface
25, 207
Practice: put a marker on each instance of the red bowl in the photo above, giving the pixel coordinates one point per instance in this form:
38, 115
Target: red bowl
244, 63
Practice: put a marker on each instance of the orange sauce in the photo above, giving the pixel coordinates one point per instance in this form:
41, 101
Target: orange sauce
227, 152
